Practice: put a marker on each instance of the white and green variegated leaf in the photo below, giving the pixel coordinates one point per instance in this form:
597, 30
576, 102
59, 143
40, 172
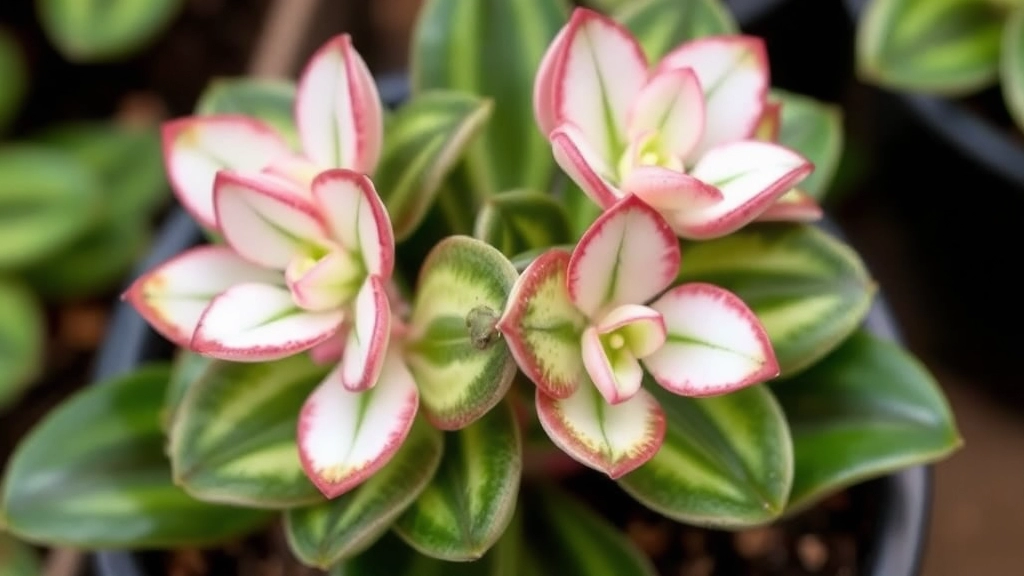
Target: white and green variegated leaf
1011, 66
469, 503
324, 534
492, 48
727, 461
18, 558
520, 220
187, 369
423, 141
461, 365
22, 340
810, 290
661, 25
233, 438
271, 100
103, 30
815, 130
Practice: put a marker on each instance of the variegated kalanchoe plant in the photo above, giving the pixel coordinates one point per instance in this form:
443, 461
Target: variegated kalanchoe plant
584, 244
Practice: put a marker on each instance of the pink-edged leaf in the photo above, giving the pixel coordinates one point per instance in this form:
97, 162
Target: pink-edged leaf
542, 327
734, 73
715, 344
584, 165
598, 73
751, 175
295, 171
614, 439
197, 147
265, 222
642, 328
672, 105
770, 124
345, 437
338, 110
668, 190
544, 85
368, 340
794, 206
330, 351
627, 256
258, 322
173, 296
357, 218
611, 349
325, 283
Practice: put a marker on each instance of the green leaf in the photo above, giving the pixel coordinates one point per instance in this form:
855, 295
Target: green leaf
948, 47
810, 290
92, 474
492, 48
581, 209
22, 340
866, 410
423, 141
727, 461
324, 534
17, 558
103, 30
1011, 66
393, 557
461, 365
471, 499
271, 100
662, 25
567, 538
15, 74
233, 439
814, 129
187, 369
520, 220
47, 200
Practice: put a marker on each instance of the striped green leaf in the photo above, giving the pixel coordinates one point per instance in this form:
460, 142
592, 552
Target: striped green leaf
947, 47
423, 141
810, 290
324, 534
727, 461
492, 48
233, 438
581, 209
520, 220
186, 370
103, 30
22, 340
814, 129
661, 25
461, 365
1011, 66
271, 100
469, 503
92, 474
47, 200
15, 74
866, 410
18, 558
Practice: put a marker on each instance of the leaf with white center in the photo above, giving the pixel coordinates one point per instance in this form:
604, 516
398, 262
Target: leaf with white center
338, 110
671, 106
323, 284
173, 296
614, 439
367, 342
669, 191
469, 503
356, 217
269, 100
259, 322
1011, 66
661, 25
197, 147
264, 220
627, 256
611, 349
517, 221
543, 327
733, 71
461, 364
327, 533
809, 290
346, 437
426, 138
232, 439
584, 165
814, 129
867, 409
793, 206
714, 343
751, 175
726, 462
22, 340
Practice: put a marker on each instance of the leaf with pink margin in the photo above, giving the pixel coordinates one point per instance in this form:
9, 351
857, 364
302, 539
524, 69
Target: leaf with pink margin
173, 296
714, 343
544, 109
338, 109
672, 106
793, 206
668, 191
611, 439
326, 283
197, 147
345, 437
614, 367
367, 342
592, 173
628, 256
357, 219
